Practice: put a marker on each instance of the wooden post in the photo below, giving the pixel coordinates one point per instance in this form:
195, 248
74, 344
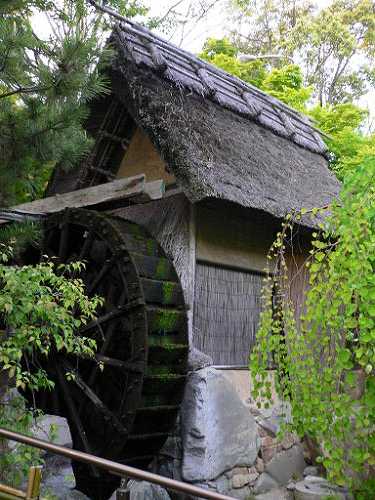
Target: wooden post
123, 493
34, 482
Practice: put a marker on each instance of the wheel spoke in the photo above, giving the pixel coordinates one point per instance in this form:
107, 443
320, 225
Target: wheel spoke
97, 402
112, 314
87, 245
74, 415
63, 245
126, 366
103, 272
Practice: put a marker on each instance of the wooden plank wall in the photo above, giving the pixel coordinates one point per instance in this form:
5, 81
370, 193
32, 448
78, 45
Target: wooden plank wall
224, 237
232, 247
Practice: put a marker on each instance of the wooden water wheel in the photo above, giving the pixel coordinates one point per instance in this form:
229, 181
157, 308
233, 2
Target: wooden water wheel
125, 411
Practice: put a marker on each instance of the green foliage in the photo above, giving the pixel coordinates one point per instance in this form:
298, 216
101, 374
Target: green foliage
223, 54
41, 310
216, 46
326, 360
20, 236
15, 462
286, 84
330, 42
350, 147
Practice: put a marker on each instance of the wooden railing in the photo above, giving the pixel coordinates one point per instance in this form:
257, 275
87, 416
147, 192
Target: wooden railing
32, 491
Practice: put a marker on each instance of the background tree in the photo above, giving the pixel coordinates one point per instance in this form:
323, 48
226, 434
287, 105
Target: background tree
334, 46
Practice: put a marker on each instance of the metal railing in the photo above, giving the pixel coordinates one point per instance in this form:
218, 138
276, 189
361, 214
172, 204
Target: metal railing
115, 468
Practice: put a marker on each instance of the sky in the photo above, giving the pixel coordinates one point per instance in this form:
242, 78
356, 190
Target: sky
215, 26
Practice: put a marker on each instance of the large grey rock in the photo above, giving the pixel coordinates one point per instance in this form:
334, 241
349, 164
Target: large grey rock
197, 360
141, 490
52, 427
58, 482
286, 465
218, 433
265, 483
277, 494
318, 488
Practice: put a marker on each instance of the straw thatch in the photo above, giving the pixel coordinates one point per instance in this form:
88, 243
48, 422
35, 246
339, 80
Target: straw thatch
219, 136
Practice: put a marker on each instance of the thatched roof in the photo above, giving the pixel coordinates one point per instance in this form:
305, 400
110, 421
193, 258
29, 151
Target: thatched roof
221, 137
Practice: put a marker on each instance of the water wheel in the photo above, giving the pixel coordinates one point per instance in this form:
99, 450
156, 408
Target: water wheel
125, 411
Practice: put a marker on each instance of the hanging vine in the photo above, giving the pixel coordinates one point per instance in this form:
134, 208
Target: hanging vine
326, 358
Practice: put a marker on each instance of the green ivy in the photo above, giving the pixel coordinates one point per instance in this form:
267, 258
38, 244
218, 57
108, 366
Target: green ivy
329, 354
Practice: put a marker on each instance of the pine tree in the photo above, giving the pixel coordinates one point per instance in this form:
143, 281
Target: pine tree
46, 82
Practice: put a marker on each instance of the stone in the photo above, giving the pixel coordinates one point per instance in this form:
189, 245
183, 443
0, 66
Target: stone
240, 480
262, 432
141, 490
172, 448
51, 427
254, 410
265, 483
218, 432
278, 494
198, 360
239, 470
240, 494
288, 441
58, 481
316, 480
259, 465
267, 425
318, 488
311, 470
269, 448
286, 465
291, 486
253, 477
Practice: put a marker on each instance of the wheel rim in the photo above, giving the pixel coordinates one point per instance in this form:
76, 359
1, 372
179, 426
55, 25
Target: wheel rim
126, 411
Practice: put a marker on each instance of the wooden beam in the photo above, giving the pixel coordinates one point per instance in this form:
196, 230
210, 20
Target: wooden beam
135, 189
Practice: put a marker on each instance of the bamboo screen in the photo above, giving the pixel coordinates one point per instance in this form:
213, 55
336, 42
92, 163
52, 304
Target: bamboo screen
226, 313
